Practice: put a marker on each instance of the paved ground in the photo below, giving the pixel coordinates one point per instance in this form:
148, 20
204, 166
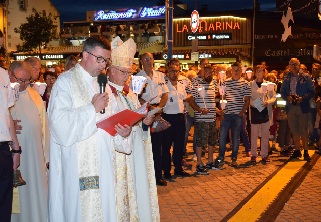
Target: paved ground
220, 195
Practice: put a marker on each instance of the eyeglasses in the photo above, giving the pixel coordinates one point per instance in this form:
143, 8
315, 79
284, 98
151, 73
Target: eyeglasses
294, 64
100, 59
124, 72
147, 59
22, 80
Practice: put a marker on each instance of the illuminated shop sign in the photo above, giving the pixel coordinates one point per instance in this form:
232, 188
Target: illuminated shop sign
205, 26
143, 12
220, 36
23, 57
187, 56
101, 15
43, 56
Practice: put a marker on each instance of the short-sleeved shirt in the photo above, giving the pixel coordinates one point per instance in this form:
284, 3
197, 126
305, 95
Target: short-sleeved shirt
175, 104
209, 99
156, 87
6, 101
236, 90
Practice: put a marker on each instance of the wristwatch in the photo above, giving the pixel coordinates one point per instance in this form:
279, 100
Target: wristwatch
17, 151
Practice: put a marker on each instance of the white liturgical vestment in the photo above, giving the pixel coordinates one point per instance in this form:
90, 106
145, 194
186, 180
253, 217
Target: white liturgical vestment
34, 140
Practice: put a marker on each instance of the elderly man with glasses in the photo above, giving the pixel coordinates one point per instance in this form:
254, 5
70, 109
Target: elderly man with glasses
33, 135
297, 89
35, 64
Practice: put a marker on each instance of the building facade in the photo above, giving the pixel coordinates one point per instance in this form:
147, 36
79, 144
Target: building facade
18, 11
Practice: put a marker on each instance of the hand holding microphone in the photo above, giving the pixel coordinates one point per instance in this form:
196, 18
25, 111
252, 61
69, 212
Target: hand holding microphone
100, 101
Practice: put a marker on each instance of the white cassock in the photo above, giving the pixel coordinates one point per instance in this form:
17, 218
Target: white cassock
136, 192
82, 177
34, 141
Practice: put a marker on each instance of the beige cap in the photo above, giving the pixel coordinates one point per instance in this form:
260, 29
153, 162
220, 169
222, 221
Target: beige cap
122, 53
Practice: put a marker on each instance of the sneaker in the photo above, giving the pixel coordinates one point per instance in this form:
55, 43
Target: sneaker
185, 164
285, 152
249, 154
201, 169
219, 162
306, 156
212, 166
181, 173
253, 159
296, 154
265, 160
194, 158
234, 162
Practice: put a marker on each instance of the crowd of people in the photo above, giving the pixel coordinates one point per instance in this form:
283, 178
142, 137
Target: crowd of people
76, 171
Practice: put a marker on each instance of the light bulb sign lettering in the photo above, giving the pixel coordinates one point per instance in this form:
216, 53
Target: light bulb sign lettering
195, 21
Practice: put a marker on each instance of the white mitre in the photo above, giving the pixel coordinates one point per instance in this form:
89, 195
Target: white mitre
122, 53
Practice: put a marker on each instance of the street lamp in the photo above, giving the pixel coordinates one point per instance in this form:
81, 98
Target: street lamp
169, 29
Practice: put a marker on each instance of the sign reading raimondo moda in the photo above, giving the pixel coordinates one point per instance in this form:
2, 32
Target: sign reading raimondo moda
213, 31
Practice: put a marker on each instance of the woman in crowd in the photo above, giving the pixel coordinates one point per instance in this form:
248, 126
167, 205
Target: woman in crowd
261, 113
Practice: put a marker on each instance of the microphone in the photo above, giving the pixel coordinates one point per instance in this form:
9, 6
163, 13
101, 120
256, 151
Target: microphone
102, 81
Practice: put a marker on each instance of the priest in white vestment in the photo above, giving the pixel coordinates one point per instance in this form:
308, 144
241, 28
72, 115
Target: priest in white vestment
82, 173
136, 193
34, 138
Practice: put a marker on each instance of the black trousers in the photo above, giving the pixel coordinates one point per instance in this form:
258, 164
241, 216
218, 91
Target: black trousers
157, 153
6, 182
175, 135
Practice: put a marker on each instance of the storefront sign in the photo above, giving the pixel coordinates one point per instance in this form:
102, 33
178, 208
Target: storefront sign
288, 52
43, 56
101, 15
153, 12
142, 12
194, 56
23, 57
207, 26
218, 36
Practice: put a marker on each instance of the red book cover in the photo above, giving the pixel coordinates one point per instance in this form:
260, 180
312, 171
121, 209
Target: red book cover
124, 117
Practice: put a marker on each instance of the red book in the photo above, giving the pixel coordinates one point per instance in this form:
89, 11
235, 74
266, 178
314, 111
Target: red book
124, 117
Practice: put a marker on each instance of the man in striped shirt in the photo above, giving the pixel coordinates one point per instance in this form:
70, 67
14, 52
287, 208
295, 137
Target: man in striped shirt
237, 95
203, 102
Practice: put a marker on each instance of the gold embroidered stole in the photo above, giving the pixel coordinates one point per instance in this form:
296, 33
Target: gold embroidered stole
87, 156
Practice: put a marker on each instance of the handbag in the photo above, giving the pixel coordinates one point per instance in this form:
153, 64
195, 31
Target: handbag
160, 125
258, 117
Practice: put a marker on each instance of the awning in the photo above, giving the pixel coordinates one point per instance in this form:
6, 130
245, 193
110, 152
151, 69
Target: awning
157, 48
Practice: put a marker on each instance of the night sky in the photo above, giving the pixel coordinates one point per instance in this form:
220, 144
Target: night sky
72, 10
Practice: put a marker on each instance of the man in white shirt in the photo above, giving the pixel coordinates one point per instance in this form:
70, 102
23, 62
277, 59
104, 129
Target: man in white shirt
173, 112
8, 161
156, 93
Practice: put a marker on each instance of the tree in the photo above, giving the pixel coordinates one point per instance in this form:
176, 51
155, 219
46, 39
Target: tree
37, 31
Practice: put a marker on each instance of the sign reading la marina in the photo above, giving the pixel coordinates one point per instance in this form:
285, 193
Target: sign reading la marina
142, 12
